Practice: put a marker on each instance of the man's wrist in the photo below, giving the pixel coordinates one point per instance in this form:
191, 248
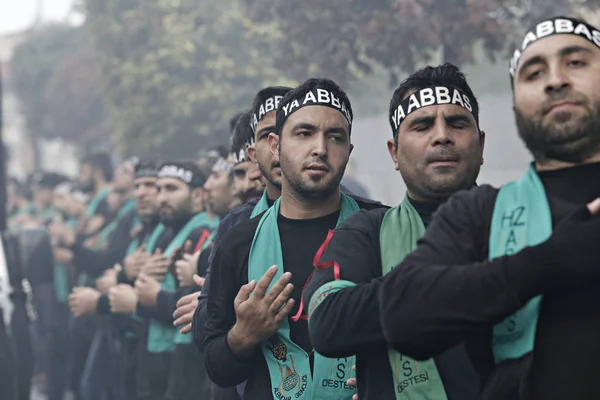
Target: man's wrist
241, 345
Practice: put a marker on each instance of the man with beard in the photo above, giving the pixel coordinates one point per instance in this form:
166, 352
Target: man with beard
250, 338
245, 188
179, 185
515, 271
95, 174
437, 147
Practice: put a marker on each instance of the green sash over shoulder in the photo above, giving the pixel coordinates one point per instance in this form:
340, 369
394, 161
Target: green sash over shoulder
261, 206
62, 286
161, 336
92, 207
103, 238
521, 218
211, 225
401, 227
289, 365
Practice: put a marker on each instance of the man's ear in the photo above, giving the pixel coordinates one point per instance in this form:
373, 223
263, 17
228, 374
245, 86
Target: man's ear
393, 150
482, 143
251, 153
274, 143
197, 193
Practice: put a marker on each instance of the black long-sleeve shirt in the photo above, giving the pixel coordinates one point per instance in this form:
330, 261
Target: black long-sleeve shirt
95, 262
447, 292
300, 240
347, 322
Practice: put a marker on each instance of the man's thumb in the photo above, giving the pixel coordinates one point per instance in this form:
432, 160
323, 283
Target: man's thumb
118, 267
198, 280
594, 206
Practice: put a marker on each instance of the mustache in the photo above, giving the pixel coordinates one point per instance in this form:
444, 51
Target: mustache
563, 96
442, 153
316, 161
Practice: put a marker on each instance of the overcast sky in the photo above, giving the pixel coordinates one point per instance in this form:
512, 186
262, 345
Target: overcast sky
16, 15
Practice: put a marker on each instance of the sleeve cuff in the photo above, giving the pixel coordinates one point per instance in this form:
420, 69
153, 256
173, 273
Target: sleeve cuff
103, 307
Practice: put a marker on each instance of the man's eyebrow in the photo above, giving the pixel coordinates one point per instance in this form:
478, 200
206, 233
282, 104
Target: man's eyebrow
337, 129
305, 125
457, 118
421, 120
266, 129
566, 51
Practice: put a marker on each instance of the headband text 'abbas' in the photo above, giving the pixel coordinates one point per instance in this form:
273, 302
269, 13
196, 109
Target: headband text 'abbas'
555, 26
266, 107
425, 97
180, 172
315, 97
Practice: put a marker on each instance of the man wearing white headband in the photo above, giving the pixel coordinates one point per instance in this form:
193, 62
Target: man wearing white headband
514, 271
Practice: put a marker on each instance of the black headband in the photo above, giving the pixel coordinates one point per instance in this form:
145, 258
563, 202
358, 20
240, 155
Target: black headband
316, 97
270, 104
181, 172
430, 96
145, 172
554, 26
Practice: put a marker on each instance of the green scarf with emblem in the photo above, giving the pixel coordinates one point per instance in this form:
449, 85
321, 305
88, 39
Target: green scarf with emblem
289, 365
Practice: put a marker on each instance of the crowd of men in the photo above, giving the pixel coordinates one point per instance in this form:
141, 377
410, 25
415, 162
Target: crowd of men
254, 273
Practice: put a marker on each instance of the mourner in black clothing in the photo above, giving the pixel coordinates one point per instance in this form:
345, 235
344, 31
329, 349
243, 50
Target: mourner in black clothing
313, 124
438, 150
515, 271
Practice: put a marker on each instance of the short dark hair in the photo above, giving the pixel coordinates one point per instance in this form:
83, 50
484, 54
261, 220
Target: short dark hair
308, 86
101, 161
242, 133
234, 121
446, 74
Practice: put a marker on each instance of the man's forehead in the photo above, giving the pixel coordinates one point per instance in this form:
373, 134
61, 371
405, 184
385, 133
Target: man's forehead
552, 46
320, 116
267, 120
243, 166
144, 179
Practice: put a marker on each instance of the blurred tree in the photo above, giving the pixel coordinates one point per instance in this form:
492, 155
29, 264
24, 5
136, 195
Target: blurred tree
175, 71
344, 38
53, 75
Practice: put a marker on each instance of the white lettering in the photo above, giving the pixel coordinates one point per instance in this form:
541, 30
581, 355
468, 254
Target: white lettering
442, 95
427, 97
563, 26
581, 28
277, 100
261, 111
412, 103
269, 106
323, 96
467, 103
294, 104
596, 38
398, 116
457, 98
286, 109
529, 38
335, 101
310, 96
544, 29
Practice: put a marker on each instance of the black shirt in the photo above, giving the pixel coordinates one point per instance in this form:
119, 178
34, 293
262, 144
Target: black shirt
347, 322
447, 291
300, 240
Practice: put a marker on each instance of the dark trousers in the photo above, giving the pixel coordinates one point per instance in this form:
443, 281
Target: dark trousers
58, 355
188, 378
81, 334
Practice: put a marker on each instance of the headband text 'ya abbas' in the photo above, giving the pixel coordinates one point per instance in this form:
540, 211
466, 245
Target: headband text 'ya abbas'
555, 26
315, 97
181, 172
430, 96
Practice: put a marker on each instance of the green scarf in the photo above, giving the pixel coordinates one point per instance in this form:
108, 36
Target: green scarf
92, 207
161, 336
150, 242
103, 238
521, 218
261, 206
289, 365
401, 227
211, 225
61, 274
